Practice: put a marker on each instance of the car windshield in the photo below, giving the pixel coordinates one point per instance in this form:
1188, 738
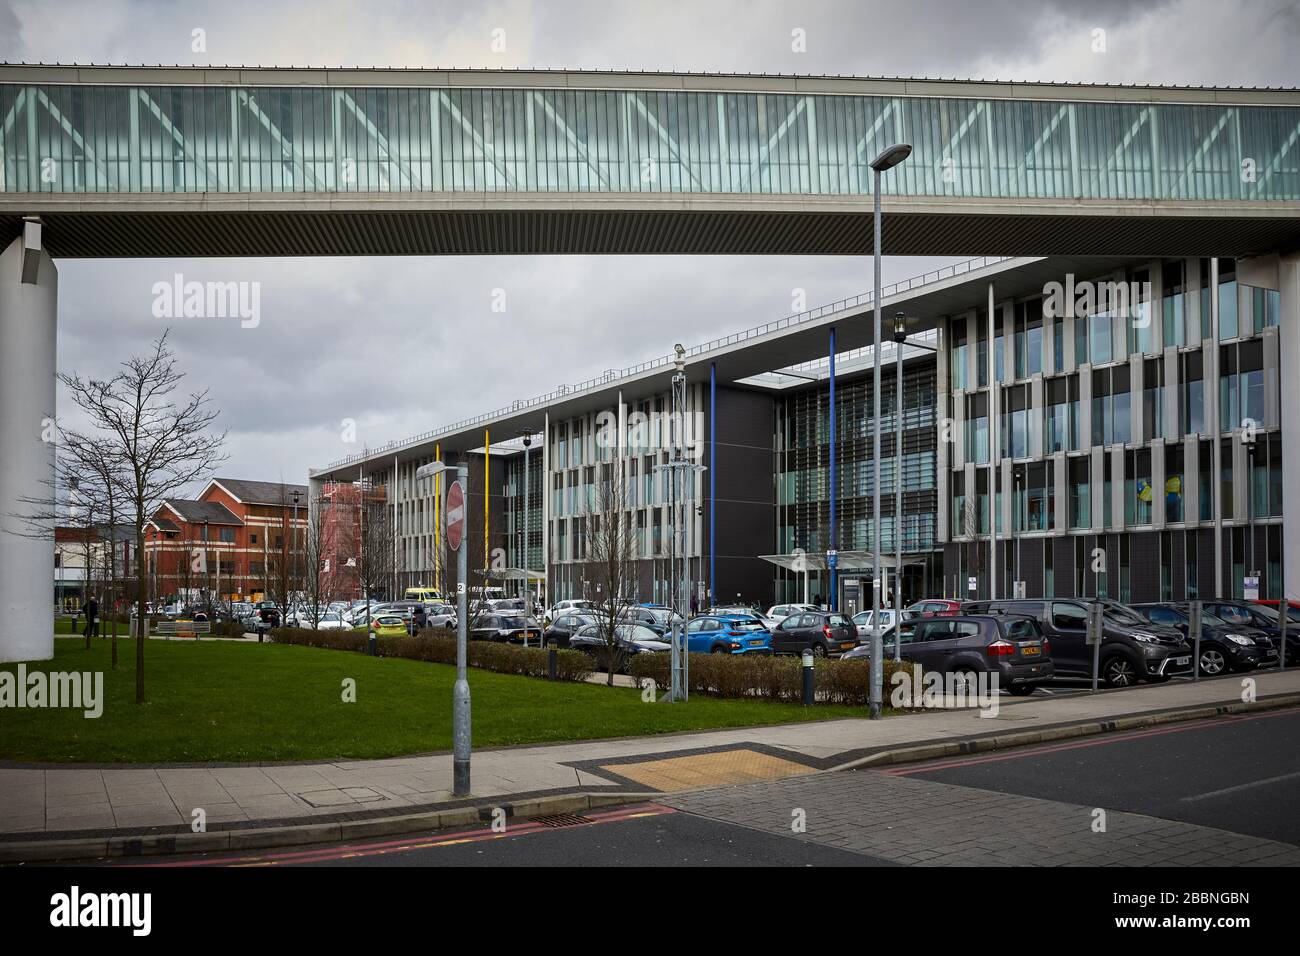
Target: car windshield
514, 622
1120, 614
636, 632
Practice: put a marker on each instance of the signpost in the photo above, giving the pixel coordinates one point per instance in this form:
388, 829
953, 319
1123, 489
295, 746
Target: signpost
1095, 634
972, 585
460, 693
455, 517
1194, 631
1250, 587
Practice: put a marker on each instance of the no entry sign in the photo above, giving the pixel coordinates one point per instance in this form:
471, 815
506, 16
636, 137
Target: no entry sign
455, 515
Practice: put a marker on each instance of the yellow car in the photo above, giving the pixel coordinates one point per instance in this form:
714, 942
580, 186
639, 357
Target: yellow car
388, 625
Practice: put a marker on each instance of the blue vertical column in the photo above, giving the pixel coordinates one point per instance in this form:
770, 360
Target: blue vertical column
832, 544
713, 484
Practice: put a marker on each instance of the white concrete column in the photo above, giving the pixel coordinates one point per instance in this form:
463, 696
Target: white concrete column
28, 311
1289, 349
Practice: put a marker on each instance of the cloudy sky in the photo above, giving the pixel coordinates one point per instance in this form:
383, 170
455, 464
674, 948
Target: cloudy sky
372, 339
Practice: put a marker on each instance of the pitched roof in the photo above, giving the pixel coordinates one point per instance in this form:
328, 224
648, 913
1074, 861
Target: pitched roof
261, 492
197, 512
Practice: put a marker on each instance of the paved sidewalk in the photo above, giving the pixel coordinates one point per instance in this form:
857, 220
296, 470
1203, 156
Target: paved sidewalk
118, 803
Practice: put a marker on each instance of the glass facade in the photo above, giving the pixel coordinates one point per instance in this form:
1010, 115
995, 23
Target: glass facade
149, 139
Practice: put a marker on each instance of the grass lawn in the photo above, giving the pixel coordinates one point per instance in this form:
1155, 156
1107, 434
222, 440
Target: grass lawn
223, 701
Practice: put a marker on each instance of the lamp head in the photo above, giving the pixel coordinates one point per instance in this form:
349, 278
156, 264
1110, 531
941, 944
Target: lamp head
891, 157
900, 327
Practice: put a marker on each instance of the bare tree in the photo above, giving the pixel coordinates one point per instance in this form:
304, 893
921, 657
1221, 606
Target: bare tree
318, 581
163, 444
611, 559
376, 547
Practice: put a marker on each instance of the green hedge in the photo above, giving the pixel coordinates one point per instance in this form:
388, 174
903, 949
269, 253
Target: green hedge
766, 676
438, 646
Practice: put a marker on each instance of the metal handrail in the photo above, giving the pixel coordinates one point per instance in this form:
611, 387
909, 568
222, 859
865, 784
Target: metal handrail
613, 375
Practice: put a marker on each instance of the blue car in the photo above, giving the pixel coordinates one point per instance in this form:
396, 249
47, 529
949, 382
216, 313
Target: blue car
727, 634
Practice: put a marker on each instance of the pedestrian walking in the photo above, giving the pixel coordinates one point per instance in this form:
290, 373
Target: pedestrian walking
695, 605
418, 619
92, 619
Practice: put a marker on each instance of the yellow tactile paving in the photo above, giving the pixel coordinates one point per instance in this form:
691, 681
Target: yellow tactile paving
707, 770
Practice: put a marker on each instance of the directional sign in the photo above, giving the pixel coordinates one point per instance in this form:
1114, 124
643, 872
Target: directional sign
455, 515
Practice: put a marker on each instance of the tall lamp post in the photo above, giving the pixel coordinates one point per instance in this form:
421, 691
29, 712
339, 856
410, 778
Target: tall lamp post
293, 533
460, 693
900, 339
888, 159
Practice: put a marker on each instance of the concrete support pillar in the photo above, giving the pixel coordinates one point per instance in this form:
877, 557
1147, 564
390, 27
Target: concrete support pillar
28, 311
1289, 350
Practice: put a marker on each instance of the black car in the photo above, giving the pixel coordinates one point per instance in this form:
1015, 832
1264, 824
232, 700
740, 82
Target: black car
1224, 647
825, 633
1261, 618
268, 613
1009, 645
629, 640
1132, 648
565, 626
509, 628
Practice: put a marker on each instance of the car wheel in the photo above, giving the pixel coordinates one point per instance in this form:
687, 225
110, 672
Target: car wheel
1119, 671
818, 650
1020, 690
718, 649
1213, 662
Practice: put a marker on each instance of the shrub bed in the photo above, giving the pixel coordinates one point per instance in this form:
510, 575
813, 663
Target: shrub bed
767, 676
438, 646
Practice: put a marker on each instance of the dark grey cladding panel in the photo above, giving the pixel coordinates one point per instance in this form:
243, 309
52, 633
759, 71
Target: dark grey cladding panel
121, 231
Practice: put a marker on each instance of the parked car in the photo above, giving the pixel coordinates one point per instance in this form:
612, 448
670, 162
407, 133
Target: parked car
1224, 647
825, 633
629, 640
1264, 618
740, 610
565, 626
936, 607
268, 612
440, 615
560, 608
888, 617
656, 617
330, 621
779, 612
388, 625
1009, 645
727, 634
510, 628
1132, 647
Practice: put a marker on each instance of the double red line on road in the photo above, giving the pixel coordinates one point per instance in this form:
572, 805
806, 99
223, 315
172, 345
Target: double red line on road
353, 850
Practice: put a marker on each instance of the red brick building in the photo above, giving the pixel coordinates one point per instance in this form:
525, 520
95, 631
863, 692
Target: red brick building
238, 539
340, 505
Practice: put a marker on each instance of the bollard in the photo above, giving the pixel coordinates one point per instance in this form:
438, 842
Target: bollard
809, 678
552, 661
374, 644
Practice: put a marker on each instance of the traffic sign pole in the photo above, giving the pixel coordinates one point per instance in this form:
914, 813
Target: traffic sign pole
460, 713
1194, 615
1095, 632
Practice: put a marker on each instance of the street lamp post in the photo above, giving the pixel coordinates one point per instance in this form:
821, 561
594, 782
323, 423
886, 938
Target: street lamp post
460, 702
888, 159
1017, 530
293, 532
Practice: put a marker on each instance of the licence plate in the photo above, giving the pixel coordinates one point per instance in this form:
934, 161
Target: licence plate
1270, 653
755, 643
1030, 651
847, 647
1182, 660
